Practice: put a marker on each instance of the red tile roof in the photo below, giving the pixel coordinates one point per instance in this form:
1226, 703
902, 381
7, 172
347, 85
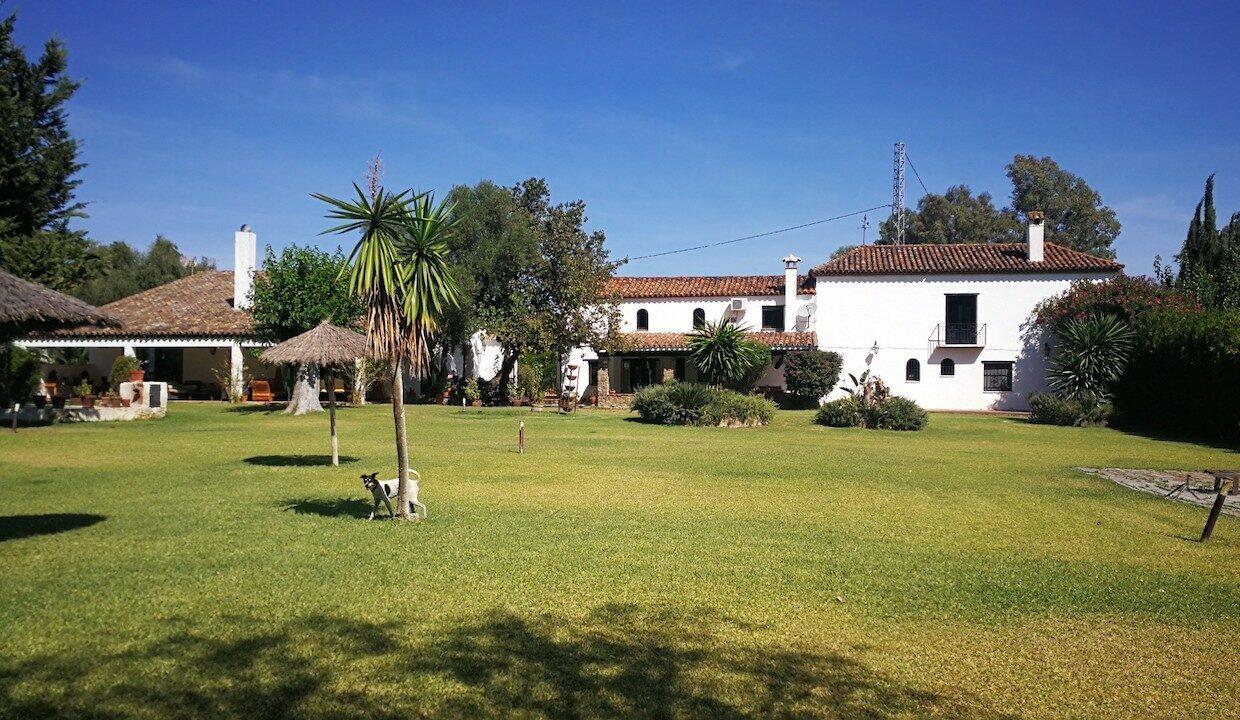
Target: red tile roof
200, 305
704, 286
957, 259
648, 341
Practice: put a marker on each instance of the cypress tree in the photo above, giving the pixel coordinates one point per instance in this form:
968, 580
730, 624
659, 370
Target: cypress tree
38, 162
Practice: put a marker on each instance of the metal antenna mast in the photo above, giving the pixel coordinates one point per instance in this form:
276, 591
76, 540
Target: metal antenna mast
865, 224
897, 191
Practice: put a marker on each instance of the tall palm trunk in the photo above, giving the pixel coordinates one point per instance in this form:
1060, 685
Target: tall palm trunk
402, 439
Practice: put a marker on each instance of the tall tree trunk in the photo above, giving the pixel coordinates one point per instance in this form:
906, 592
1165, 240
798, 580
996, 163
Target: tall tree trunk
502, 379
305, 397
402, 447
331, 415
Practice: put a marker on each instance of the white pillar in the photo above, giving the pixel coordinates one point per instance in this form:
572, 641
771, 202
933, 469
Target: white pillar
245, 252
129, 351
1036, 236
236, 370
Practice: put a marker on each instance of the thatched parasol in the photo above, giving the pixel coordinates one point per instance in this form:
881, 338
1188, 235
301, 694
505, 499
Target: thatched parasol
328, 346
27, 307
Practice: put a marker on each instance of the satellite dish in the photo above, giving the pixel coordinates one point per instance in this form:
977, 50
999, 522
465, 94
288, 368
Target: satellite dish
807, 310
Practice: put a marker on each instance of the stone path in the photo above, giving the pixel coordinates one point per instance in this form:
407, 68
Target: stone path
1162, 482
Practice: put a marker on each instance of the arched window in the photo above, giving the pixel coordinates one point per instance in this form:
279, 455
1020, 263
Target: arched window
947, 367
643, 320
699, 318
912, 370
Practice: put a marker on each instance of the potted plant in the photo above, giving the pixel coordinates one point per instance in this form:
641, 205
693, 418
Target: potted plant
472, 394
126, 369
58, 402
85, 394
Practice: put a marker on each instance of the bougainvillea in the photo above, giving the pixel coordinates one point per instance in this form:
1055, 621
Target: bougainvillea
1124, 297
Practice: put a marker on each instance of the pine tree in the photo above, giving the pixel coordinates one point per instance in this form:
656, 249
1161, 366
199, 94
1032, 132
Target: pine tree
38, 162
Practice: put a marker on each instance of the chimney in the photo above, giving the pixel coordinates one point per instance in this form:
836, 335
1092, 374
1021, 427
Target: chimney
245, 251
1036, 230
790, 292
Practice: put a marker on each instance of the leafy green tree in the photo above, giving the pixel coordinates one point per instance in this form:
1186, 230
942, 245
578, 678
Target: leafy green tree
1210, 257
724, 356
38, 162
957, 216
399, 269
812, 374
1075, 215
119, 270
297, 290
535, 277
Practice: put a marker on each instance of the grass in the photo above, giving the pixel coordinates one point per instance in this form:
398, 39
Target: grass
211, 565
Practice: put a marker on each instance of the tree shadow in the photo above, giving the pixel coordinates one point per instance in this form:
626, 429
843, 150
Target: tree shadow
618, 661
252, 408
16, 527
329, 507
296, 460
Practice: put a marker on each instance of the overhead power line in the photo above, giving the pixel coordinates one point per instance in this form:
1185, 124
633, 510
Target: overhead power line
759, 235
915, 173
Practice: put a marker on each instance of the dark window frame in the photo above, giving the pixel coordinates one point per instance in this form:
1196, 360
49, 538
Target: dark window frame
912, 370
643, 320
771, 310
1002, 371
699, 318
947, 367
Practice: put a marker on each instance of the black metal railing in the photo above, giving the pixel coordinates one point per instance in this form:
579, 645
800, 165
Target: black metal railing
960, 334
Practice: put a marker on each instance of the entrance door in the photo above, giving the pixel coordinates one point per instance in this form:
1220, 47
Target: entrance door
960, 325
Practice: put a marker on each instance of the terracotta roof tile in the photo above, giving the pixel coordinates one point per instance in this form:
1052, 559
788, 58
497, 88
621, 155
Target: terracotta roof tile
953, 259
200, 305
704, 286
648, 341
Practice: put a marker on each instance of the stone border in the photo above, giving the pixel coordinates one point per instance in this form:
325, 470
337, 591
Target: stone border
1162, 482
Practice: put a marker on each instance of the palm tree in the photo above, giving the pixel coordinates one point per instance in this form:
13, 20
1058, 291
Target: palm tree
400, 271
723, 355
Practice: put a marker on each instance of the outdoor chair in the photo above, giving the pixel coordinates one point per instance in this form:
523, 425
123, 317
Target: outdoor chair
260, 391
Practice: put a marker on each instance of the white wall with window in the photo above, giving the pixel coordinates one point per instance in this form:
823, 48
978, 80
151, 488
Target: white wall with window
950, 342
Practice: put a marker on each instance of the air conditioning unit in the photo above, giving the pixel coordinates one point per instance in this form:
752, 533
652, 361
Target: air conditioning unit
737, 306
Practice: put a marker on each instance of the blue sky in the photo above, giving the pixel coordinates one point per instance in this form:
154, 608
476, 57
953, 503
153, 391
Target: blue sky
677, 124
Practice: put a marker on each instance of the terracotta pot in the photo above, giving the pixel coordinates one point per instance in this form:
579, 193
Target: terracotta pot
88, 401
125, 402
476, 403
137, 375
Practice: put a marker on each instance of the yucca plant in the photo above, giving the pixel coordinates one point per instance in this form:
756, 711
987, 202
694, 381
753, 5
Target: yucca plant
723, 355
399, 269
1091, 355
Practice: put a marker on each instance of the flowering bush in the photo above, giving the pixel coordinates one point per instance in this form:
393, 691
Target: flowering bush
1125, 298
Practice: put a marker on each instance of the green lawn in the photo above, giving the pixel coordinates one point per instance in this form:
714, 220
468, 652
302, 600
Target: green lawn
208, 565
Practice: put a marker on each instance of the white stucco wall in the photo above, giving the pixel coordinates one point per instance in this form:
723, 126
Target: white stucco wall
676, 315
900, 312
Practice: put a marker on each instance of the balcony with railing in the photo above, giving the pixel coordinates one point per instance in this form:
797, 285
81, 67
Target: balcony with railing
963, 335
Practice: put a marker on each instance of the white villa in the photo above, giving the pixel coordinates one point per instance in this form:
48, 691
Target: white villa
946, 325
949, 326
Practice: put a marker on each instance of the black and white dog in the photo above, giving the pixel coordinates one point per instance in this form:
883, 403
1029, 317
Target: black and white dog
385, 491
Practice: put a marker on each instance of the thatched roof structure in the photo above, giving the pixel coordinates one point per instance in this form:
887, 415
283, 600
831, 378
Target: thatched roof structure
326, 345
27, 307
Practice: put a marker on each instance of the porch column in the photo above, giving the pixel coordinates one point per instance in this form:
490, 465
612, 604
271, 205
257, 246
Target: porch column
129, 351
604, 382
236, 372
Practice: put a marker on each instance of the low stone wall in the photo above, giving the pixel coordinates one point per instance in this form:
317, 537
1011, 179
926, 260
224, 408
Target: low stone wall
43, 416
619, 401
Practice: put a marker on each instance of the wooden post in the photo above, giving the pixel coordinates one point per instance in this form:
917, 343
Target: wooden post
331, 414
1223, 488
16, 409
521, 438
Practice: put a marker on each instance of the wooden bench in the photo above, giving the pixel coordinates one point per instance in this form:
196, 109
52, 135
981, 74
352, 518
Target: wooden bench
260, 391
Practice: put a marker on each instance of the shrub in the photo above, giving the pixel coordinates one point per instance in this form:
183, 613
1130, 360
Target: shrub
1078, 410
811, 374
845, 412
19, 374
1090, 356
898, 413
1184, 375
678, 403
530, 381
724, 355
121, 367
1126, 298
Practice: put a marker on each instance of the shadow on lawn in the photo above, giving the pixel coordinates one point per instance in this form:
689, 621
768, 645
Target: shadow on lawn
619, 661
16, 527
296, 460
331, 507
